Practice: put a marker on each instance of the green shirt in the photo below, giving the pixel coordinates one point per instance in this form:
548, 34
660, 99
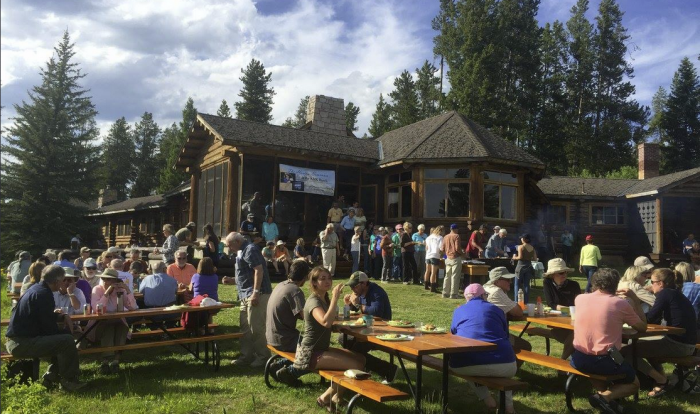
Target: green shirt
396, 239
316, 336
590, 255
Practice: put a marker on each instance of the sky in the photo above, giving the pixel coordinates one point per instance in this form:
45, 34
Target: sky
151, 55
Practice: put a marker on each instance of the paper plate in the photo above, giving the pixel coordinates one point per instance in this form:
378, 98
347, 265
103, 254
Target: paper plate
398, 338
398, 324
354, 325
434, 331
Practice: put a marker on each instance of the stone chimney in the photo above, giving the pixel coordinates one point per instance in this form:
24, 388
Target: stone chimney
107, 196
648, 153
327, 115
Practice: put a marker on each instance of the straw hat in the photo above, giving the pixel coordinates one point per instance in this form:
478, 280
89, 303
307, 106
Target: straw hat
557, 265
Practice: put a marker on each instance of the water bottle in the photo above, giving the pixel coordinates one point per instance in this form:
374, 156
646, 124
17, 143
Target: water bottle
540, 307
120, 301
346, 312
521, 299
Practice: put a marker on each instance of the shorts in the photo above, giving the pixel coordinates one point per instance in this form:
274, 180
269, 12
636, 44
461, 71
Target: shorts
433, 262
603, 365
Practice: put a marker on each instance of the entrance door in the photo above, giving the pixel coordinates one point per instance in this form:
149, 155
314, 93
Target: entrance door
368, 201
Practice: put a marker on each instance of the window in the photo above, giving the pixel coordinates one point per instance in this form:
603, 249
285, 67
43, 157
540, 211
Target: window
500, 195
607, 215
124, 228
557, 214
399, 195
212, 200
446, 192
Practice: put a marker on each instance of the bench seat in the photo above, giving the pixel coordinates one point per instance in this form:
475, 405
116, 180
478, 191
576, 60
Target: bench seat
157, 344
156, 332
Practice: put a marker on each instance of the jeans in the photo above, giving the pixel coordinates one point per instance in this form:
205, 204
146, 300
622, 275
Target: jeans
355, 260
366, 259
386, 268
410, 274
397, 269
523, 273
62, 347
588, 271
420, 262
603, 365
252, 323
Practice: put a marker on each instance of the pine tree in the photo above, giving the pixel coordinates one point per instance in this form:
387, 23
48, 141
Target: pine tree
404, 100
118, 156
351, 113
172, 141
256, 93
428, 89
146, 142
681, 121
658, 105
50, 159
299, 116
224, 111
381, 119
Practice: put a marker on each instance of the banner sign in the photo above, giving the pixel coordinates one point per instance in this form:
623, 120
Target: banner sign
307, 180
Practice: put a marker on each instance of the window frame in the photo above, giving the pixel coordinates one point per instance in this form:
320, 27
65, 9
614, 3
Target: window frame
620, 210
446, 181
399, 185
500, 185
567, 210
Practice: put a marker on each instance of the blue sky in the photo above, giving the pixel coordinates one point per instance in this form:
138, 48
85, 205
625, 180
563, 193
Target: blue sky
151, 55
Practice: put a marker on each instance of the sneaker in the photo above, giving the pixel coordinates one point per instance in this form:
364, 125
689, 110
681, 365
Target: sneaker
445, 296
258, 362
286, 377
406, 283
72, 386
241, 362
598, 402
114, 367
104, 368
49, 379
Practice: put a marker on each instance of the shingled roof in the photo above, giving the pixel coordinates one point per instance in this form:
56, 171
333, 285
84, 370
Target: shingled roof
238, 132
450, 136
607, 187
141, 203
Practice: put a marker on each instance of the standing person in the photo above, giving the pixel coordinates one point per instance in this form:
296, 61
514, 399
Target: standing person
496, 244
254, 291
523, 271
211, 244
84, 255
365, 247
419, 247
674, 308
397, 259
375, 251
434, 248
477, 242
187, 236
588, 262
314, 352
453, 264
355, 247
387, 252
170, 245
560, 291
335, 214
329, 247
567, 242
599, 331
269, 230
347, 226
360, 219
540, 243
410, 269
34, 333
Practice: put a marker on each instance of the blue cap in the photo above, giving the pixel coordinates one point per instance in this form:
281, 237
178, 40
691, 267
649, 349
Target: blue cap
453, 226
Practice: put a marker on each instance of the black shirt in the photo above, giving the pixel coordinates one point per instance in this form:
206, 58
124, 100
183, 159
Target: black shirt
247, 226
212, 254
34, 315
676, 309
563, 295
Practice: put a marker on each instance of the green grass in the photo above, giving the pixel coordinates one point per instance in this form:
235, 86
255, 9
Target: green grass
169, 381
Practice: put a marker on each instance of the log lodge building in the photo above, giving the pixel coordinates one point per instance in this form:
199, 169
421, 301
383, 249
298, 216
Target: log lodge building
440, 170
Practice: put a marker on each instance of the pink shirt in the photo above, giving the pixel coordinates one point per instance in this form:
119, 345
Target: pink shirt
598, 323
183, 275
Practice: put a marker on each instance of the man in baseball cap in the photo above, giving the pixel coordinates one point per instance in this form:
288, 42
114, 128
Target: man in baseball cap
644, 262
497, 287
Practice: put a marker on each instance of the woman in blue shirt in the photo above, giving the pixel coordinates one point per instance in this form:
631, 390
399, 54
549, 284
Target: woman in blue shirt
483, 321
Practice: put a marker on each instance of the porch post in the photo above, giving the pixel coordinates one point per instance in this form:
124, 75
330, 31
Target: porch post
659, 226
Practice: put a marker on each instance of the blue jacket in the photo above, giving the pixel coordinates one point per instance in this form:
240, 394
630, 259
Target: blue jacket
376, 302
34, 315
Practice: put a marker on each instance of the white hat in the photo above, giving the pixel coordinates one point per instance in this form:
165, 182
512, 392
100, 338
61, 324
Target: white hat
643, 261
557, 265
500, 272
89, 262
280, 243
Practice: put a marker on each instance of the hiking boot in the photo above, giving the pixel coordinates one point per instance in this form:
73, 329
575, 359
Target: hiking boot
427, 285
433, 287
286, 377
72, 386
241, 362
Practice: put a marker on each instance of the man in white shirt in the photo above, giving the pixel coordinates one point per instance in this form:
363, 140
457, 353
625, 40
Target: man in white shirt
126, 277
68, 296
497, 287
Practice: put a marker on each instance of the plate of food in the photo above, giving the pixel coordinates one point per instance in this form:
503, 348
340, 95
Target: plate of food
176, 307
429, 328
401, 324
394, 337
359, 323
553, 312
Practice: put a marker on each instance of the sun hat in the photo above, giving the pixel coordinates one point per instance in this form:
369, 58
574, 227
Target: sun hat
589, 237
70, 272
191, 224
557, 265
499, 273
89, 262
109, 274
85, 249
643, 261
280, 243
357, 278
474, 289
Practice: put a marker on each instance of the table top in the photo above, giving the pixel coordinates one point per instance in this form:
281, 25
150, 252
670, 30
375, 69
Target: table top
565, 323
422, 344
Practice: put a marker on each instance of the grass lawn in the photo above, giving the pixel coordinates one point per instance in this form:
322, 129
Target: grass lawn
169, 381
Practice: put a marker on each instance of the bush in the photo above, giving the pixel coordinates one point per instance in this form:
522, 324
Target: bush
22, 398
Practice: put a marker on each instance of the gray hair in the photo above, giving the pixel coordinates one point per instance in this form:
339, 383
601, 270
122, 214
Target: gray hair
421, 227
169, 228
605, 280
117, 264
502, 231
53, 273
160, 267
233, 236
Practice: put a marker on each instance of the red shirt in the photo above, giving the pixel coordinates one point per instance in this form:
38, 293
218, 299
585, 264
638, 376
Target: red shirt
479, 239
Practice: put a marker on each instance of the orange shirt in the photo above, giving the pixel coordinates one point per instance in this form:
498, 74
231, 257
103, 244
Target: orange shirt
598, 323
183, 275
451, 244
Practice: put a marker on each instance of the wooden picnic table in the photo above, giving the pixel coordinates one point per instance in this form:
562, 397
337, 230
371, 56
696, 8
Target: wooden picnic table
421, 345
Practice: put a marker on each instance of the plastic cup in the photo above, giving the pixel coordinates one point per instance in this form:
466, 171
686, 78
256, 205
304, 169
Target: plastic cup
369, 320
531, 309
572, 312
64, 309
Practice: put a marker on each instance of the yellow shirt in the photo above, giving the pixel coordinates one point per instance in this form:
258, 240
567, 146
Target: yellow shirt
336, 214
590, 255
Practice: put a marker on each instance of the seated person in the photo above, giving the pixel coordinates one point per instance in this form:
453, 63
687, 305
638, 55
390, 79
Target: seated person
635, 279
673, 307
135, 256
281, 255
181, 270
64, 259
370, 299
124, 276
205, 281
105, 259
90, 274
136, 269
601, 330
478, 319
68, 295
268, 251
84, 255
314, 351
33, 277
559, 292
284, 308
498, 287
300, 252
33, 332
158, 289
691, 287
111, 332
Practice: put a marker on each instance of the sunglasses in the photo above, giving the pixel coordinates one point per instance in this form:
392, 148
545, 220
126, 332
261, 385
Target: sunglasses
90, 268
108, 257
182, 258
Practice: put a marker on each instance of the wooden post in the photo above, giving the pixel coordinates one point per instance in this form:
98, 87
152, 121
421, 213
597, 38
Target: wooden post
232, 191
659, 225
194, 191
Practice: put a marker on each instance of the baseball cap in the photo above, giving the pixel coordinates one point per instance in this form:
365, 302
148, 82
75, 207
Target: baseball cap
496, 228
280, 243
250, 215
474, 289
643, 261
589, 237
357, 278
85, 249
89, 262
499, 273
191, 224
453, 226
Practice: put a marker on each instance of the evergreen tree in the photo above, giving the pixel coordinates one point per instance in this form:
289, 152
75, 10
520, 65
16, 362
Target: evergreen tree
658, 105
351, 113
381, 119
299, 116
172, 141
146, 142
405, 100
681, 121
289, 123
50, 159
224, 111
118, 166
256, 93
428, 89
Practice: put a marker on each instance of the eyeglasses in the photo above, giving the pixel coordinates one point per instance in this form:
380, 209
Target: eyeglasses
182, 258
91, 268
654, 282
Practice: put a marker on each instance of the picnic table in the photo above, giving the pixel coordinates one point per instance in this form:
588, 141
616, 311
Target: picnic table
421, 345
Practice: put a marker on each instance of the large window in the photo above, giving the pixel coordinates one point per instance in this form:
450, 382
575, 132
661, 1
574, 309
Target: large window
212, 200
607, 215
557, 214
500, 195
124, 228
399, 195
446, 192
